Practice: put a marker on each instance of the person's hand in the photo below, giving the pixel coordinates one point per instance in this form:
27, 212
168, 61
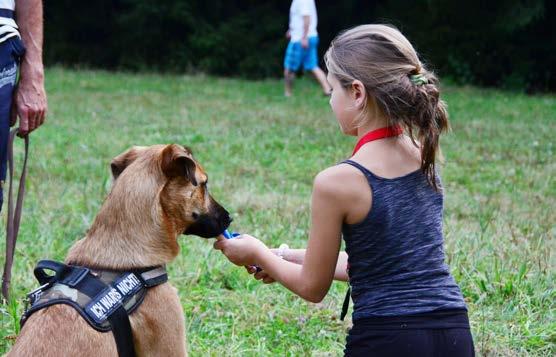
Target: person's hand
241, 250
260, 275
288, 34
29, 104
305, 42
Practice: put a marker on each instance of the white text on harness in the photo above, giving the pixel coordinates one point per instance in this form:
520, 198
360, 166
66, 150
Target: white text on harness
105, 303
128, 284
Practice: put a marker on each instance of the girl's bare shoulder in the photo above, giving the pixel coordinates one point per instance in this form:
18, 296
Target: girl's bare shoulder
342, 180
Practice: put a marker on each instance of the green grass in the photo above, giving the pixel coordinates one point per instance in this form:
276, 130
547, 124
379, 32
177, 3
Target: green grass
262, 151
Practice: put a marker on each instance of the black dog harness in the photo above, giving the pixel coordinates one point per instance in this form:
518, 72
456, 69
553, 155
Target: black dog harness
104, 298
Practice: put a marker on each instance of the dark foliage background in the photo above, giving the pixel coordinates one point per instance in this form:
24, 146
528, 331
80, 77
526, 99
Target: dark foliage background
505, 43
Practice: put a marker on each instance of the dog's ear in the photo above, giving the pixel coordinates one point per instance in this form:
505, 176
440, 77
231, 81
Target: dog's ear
120, 162
178, 162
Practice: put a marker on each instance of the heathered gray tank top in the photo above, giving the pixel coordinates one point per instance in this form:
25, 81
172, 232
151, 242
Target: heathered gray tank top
396, 255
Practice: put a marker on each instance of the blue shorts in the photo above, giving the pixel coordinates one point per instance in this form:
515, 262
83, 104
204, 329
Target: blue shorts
10, 52
296, 55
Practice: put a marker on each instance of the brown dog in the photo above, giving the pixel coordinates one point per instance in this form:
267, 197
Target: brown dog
159, 193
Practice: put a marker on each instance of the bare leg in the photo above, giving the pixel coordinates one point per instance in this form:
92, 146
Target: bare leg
321, 78
288, 81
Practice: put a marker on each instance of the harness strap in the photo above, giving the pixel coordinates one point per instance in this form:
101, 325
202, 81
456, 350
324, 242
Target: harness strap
121, 329
113, 296
154, 277
84, 281
14, 217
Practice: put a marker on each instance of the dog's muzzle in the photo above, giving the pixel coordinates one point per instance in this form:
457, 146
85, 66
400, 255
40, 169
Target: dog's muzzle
210, 225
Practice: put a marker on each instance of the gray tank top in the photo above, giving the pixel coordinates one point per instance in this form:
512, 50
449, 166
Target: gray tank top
396, 255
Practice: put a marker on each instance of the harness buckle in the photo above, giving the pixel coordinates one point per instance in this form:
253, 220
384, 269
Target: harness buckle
35, 295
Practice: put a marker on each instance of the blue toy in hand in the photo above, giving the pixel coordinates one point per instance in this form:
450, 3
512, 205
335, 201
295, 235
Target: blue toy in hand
232, 235
229, 235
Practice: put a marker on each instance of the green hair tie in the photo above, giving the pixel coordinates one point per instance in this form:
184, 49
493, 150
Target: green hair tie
418, 79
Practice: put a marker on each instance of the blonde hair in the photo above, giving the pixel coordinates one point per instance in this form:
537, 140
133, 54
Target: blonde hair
388, 66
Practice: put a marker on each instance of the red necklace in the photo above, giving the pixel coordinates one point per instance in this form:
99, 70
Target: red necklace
377, 134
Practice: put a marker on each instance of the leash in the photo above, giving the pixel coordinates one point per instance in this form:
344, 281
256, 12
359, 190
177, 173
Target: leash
14, 216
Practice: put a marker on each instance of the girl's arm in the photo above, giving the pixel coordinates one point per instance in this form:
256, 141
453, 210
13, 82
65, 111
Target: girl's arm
313, 278
297, 256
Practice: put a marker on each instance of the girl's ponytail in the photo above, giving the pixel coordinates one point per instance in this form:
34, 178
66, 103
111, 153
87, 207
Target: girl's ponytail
430, 119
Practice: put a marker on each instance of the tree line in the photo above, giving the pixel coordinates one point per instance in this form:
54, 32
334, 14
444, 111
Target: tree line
502, 43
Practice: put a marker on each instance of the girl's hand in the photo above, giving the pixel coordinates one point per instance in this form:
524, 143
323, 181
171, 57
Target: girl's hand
260, 275
241, 250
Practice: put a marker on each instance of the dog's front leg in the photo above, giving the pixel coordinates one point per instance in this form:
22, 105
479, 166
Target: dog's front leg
159, 324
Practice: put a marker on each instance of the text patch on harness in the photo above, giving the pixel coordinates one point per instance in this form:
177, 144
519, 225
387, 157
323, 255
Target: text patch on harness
105, 303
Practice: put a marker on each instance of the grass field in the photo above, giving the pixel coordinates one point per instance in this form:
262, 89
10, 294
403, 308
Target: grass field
262, 151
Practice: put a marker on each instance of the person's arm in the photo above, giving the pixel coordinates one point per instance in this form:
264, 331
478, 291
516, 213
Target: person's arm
297, 256
313, 278
30, 98
305, 37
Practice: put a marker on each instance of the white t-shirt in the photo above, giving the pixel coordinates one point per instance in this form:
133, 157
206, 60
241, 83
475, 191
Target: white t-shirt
8, 27
298, 9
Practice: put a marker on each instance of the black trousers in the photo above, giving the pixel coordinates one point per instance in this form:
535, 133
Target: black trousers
437, 334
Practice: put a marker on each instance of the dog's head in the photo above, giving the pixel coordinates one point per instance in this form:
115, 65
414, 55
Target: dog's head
175, 184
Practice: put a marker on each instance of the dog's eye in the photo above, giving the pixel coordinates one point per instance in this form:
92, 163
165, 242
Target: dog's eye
195, 215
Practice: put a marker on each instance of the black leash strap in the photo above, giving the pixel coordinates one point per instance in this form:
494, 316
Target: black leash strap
346, 304
14, 216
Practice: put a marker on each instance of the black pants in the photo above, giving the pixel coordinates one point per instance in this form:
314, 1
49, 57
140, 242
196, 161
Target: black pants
435, 334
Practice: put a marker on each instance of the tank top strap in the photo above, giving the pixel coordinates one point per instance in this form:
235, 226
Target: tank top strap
368, 174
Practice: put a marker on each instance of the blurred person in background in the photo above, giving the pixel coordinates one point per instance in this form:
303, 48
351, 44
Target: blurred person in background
303, 45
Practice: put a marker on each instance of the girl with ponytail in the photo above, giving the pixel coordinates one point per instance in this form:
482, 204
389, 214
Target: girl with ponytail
385, 201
